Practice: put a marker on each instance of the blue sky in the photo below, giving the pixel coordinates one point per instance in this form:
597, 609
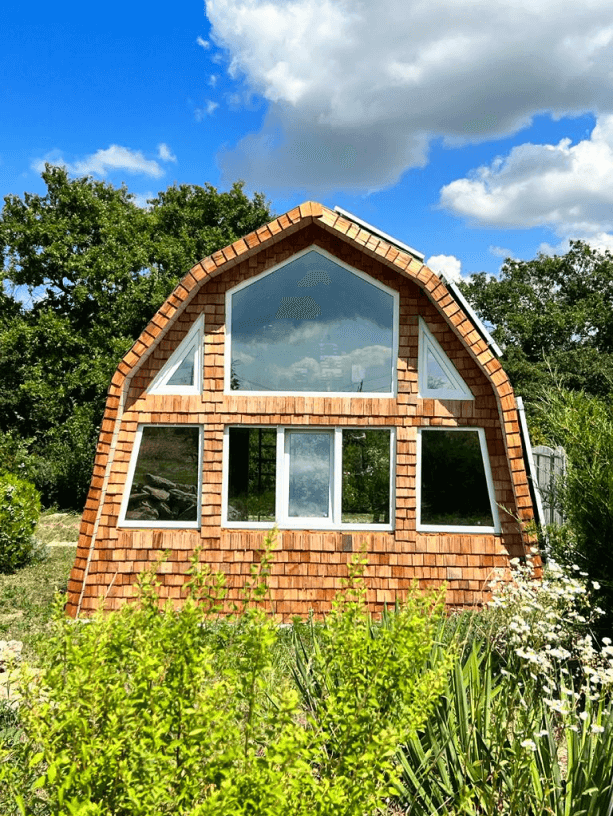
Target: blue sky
469, 129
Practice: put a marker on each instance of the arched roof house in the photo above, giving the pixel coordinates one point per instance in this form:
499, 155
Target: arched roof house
318, 375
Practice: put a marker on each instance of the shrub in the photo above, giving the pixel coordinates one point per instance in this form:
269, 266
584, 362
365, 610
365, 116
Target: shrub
19, 511
148, 711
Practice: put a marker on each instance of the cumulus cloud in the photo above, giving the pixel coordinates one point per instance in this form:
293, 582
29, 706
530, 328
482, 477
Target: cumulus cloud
566, 187
165, 154
102, 162
203, 43
448, 265
357, 90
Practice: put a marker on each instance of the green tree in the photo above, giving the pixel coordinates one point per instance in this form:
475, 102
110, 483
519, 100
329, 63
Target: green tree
97, 268
553, 318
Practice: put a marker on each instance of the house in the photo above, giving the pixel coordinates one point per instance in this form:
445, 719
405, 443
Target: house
318, 375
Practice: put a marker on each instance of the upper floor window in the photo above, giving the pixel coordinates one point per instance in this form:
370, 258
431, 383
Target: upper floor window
315, 325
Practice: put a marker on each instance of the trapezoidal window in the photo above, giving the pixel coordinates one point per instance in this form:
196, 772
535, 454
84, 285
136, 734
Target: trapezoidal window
455, 491
308, 478
315, 325
163, 486
182, 372
437, 376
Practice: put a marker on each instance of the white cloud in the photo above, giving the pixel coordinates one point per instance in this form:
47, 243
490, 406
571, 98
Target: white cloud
501, 252
165, 153
102, 162
448, 265
208, 110
213, 80
568, 188
358, 89
203, 43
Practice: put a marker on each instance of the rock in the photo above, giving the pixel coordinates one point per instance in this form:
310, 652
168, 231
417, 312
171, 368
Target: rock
188, 515
157, 493
143, 513
234, 514
159, 481
138, 497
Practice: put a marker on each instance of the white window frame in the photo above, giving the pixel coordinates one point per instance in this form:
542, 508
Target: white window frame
156, 523
194, 337
447, 528
285, 522
427, 340
359, 394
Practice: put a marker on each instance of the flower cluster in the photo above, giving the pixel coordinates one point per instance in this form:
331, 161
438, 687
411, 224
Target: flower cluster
545, 623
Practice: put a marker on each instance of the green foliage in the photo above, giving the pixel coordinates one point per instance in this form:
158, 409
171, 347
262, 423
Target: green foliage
583, 426
149, 711
19, 511
553, 317
97, 267
525, 725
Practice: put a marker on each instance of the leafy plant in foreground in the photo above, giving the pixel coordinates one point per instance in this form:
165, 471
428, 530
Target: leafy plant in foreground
148, 711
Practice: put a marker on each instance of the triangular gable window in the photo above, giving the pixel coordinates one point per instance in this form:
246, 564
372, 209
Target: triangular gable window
438, 377
182, 373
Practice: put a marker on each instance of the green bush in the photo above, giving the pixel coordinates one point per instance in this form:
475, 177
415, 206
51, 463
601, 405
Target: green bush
19, 512
583, 426
148, 711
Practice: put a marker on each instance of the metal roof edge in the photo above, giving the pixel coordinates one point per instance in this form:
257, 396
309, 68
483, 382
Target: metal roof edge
386, 237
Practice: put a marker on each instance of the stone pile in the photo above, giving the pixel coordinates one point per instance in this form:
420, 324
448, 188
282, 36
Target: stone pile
159, 499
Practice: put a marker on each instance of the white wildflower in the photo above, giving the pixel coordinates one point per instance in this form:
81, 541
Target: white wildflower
528, 743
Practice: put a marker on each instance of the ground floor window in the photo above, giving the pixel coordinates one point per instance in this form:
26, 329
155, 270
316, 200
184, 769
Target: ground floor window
163, 485
454, 484
308, 477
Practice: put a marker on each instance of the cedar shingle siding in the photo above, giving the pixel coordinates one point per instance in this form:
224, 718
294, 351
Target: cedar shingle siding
309, 565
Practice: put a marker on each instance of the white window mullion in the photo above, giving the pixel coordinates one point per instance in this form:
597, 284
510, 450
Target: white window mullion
337, 477
282, 483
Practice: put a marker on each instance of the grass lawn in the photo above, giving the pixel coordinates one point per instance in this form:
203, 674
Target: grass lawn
26, 597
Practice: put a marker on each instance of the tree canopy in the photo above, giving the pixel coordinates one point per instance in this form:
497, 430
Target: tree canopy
97, 267
553, 317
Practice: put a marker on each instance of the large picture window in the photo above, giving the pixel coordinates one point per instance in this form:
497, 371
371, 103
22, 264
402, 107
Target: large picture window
308, 478
455, 487
312, 325
163, 486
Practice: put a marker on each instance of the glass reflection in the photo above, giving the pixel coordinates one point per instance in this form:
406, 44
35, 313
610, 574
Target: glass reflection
312, 325
252, 474
165, 482
454, 488
366, 477
437, 377
310, 457
184, 374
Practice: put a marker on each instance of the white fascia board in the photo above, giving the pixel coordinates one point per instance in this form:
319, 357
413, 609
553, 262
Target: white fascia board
389, 238
523, 425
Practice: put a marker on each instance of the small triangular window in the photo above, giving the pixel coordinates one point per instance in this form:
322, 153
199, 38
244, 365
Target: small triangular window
182, 373
438, 377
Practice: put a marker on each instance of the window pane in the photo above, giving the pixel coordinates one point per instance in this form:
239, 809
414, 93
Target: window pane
366, 477
312, 325
453, 484
252, 474
436, 377
165, 483
184, 374
310, 456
